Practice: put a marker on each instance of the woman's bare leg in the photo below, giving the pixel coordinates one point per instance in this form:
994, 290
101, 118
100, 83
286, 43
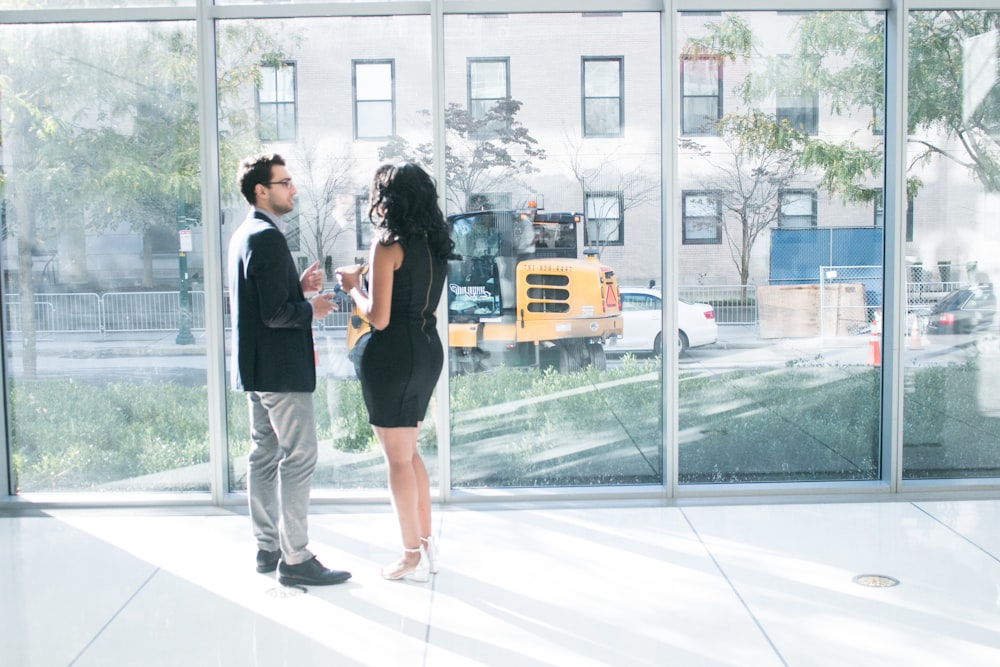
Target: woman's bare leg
399, 446
423, 492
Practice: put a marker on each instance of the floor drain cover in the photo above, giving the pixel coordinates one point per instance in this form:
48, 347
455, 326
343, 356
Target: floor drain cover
875, 580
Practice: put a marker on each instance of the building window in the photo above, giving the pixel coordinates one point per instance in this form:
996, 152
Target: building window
702, 215
374, 99
797, 208
801, 110
603, 97
362, 225
489, 83
276, 102
799, 107
604, 219
701, 95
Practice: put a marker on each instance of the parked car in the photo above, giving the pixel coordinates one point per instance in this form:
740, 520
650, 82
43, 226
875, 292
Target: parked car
642, 323
963, 311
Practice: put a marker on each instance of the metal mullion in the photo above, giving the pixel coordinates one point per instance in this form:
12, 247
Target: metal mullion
894, 245
549, 6
781, 5
104, 15
208, 110
442, 414
327, 9
670, 101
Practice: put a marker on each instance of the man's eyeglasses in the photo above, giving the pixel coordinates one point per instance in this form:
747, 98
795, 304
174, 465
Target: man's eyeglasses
287, 182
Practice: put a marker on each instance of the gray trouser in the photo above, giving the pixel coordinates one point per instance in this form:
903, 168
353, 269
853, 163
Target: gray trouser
282, 459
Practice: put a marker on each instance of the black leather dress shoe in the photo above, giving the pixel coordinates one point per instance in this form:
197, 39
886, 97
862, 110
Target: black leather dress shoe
267, 561
309, 573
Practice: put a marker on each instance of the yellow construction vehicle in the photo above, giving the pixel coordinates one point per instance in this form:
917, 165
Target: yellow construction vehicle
520, 296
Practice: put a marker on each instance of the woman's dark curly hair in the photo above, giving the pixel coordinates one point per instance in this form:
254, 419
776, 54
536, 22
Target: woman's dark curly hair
403, 205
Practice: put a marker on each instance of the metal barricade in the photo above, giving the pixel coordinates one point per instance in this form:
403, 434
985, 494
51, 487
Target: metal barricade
123, 312
57, 313
141, 311
733, 304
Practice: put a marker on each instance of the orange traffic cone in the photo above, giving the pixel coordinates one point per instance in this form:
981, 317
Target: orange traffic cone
874, 346
914, 343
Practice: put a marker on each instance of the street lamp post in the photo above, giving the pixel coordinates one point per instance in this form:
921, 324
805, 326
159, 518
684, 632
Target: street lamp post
184, 336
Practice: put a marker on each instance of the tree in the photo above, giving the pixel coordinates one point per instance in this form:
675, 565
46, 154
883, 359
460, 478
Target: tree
759, 161
101, 129
40, 133
482, 154
627, 189
842, 54
326, 200
151, 165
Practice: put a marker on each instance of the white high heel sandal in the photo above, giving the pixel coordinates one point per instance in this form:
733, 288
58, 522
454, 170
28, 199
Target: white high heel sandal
420, 572
430, 548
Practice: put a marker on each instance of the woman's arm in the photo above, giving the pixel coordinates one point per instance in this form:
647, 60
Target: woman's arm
374, 305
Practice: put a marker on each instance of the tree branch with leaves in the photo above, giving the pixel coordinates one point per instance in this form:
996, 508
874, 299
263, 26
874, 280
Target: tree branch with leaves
483, 154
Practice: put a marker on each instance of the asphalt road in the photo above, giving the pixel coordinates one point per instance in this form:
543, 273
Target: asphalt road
159, 359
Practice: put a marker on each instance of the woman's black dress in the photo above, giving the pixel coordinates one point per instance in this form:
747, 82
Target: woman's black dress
402, 363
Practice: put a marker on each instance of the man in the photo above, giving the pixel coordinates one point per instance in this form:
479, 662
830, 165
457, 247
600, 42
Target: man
273, 363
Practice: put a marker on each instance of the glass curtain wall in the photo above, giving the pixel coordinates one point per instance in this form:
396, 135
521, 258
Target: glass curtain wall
553, 186
103, 292
555, 314
335, 97
951, 389
779, 171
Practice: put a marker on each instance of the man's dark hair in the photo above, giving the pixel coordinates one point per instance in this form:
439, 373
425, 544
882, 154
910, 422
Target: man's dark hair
256, 170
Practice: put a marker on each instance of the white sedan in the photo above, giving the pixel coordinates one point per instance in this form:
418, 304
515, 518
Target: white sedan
642, 323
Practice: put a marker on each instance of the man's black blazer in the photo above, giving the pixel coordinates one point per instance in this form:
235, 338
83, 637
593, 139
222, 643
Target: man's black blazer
272, 342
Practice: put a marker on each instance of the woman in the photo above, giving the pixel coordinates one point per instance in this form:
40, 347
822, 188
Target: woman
402, 361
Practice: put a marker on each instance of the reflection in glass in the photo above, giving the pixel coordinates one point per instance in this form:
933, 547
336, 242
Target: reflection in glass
331, 97
952, 358
102, 284
701, 95
373, 95
778, 192
276, 102
539, 397
602, 96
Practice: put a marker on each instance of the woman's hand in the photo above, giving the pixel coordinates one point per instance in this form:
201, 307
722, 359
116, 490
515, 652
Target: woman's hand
349, 277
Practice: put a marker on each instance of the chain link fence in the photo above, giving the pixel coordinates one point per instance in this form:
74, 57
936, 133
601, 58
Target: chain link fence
849, 298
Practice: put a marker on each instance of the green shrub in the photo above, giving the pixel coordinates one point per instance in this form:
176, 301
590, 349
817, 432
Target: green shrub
809, 420
513, 427
70, 435
350, 431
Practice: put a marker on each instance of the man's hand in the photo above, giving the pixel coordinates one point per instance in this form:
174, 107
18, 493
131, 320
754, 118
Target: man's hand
323, 305
312, 278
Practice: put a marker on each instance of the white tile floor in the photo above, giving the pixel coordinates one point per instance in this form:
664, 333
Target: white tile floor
743, 585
